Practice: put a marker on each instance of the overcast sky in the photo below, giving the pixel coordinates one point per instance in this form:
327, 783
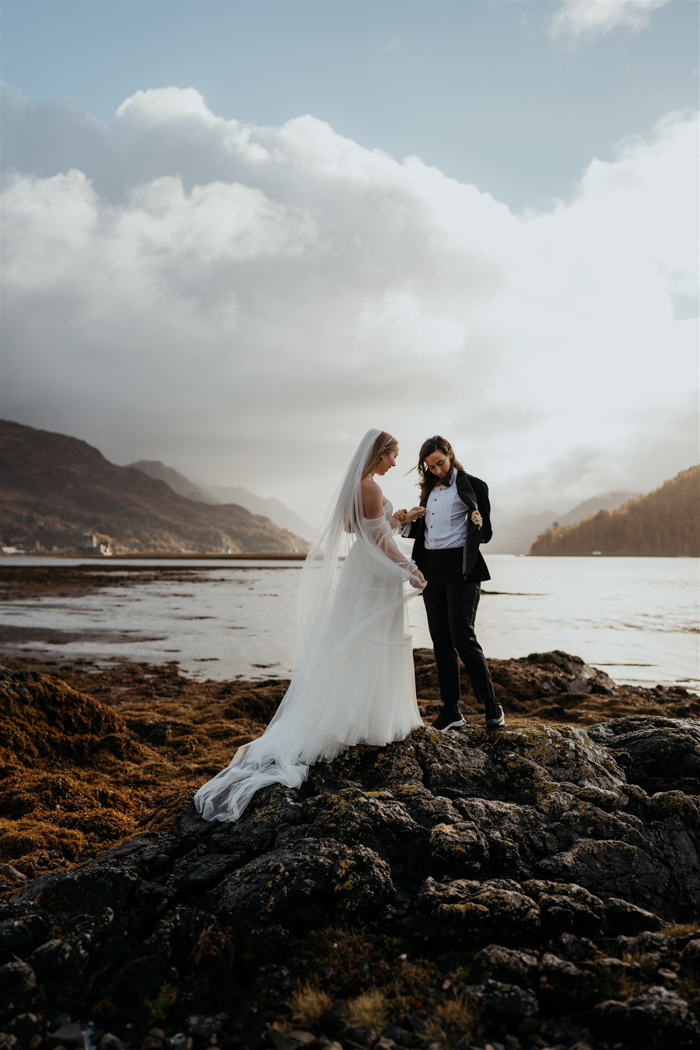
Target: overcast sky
238, 234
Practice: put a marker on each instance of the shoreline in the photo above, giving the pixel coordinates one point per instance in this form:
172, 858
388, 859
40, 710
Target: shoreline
187, 729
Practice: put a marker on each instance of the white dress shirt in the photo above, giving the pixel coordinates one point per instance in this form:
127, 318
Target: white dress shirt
445, 518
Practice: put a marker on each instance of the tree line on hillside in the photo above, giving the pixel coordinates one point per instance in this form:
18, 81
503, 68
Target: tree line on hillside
663, 523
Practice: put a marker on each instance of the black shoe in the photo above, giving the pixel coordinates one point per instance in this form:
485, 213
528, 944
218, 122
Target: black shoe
495, 719
448, 720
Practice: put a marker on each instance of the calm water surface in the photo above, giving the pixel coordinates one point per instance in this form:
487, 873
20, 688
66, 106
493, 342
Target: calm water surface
635, 617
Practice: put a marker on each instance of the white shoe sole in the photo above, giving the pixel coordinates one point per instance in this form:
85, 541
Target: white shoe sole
453, 725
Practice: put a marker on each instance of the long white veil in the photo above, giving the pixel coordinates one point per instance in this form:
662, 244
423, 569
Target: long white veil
352, 581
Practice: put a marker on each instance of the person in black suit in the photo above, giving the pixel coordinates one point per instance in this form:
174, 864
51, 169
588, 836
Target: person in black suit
448, 527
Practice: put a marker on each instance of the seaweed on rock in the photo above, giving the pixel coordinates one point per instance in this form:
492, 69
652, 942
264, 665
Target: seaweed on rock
521, 887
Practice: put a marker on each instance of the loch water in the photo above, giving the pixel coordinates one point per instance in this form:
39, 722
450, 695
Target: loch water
636, 618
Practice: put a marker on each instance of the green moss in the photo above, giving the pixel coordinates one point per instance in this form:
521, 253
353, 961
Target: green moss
673, 805
166, 997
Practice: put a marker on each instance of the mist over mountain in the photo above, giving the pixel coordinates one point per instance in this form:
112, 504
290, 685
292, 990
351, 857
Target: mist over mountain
177, 482
271, 508
606, 501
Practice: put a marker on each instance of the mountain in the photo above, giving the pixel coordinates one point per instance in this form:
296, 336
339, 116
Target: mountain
606, 501
177, 482
272, 508
56, 489
516, 537
663, 523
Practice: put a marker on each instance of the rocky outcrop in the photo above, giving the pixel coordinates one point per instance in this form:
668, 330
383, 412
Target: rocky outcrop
536, 887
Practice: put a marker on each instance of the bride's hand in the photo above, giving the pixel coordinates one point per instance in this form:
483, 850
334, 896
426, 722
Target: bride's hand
418, 580
414, 513
399, 516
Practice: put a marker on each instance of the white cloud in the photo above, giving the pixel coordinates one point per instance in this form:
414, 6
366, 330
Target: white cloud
256, 297
589, 18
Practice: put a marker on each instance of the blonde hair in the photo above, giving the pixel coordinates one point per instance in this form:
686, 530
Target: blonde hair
384, 443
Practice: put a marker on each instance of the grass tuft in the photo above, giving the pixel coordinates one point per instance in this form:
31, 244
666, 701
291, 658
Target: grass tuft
368, 1010
681, 929
307, 1005
455, 1020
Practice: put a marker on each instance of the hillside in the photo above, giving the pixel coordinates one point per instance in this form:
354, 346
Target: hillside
54, 489
177, 482
272, 508
604, 501
516, 537
663, 523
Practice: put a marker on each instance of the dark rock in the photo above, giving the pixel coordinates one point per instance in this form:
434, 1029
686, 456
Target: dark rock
300, 882
654, 1018
86, 891
24, 1027
623, 917
507, 965
353, 1036
17, 988
139, 980
614, 868
68, 1035
282, 1041
56, 1020
577, 949
564, 985
506, 1002
19, 937
467, 909
109, 1041
525, 855
457, 849
691, 952
658, 753
203, 1027
397, 1034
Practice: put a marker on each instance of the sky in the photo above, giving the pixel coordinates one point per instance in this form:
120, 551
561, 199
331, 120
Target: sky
238, 234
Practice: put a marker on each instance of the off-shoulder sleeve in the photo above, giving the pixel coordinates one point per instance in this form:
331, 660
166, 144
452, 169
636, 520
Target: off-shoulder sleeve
378, 532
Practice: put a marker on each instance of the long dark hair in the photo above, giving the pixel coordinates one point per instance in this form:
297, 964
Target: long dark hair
428, 480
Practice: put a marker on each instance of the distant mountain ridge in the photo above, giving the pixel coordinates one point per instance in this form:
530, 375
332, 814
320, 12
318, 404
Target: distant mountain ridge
55, 489
662, 523
177, 482
273, 509
270, 507
516, 537
606, 501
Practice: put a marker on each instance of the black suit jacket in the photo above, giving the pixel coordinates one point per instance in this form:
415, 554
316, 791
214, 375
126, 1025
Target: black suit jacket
474, 493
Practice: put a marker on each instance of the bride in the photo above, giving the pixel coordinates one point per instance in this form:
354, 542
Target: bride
353, 680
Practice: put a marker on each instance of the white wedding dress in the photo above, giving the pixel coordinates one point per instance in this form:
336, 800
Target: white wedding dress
353, 680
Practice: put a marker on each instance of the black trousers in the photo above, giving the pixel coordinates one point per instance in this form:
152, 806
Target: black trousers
451, 605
